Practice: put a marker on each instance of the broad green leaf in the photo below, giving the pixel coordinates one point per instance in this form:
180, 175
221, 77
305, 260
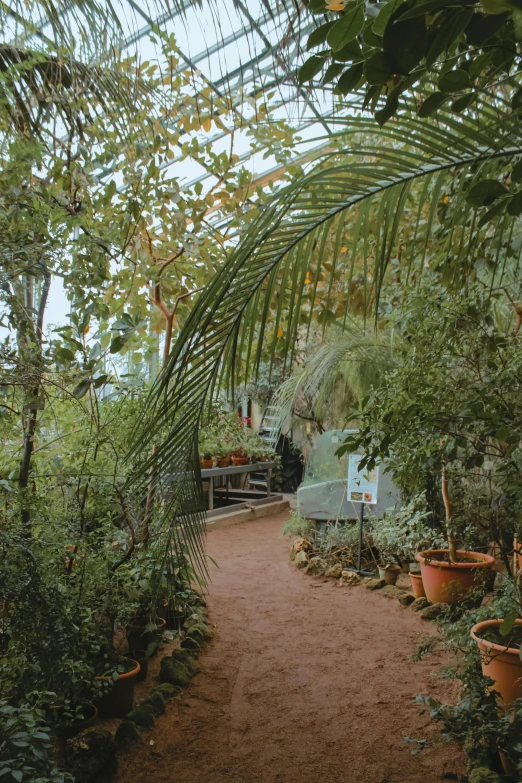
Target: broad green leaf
100, 381
318, 36
430, 6
464, 102
117, 343
391, 106
379, 69
350, 79
352, 51
432, 104
484, 193
405, 43
310, 68
332, 72
516, 174
384, 15
508, 623
81, 389
515, 204
445, 32
347, 28
454, 81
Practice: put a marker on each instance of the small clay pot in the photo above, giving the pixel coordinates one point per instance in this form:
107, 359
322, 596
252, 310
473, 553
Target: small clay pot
499, 662
389, 573
236, 461
206, 464
449, 583
417, 586
119, 700
223, 462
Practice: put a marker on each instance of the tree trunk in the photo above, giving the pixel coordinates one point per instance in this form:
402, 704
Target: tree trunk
452, 543
32, 358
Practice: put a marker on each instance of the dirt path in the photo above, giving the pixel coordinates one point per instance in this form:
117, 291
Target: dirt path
304, 682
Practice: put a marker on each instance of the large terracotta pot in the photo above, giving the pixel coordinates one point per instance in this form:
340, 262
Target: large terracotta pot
449, 582
499, 662
417, 585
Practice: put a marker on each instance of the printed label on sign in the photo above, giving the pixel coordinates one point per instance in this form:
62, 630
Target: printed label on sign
362, 484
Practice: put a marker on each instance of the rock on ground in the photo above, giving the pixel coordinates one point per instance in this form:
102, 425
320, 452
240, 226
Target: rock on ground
300, 545
350, 578
434, 611
91, 756
406, 599
374, 584
335, 571
301, 559
316, 566
419, 603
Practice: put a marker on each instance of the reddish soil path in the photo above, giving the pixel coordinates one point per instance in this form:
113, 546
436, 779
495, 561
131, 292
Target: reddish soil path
304, 682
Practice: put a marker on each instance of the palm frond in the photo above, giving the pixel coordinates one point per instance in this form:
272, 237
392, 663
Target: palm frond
352, 358
375, 177
36, 86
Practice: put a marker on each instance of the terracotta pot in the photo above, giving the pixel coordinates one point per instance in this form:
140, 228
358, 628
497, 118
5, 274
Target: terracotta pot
223, 462
141, 656
90, 713
206, 464
417, 586
509, 766
389, 574
239, 461
117, 702
70, 548
518, 556
499, 662
449, 582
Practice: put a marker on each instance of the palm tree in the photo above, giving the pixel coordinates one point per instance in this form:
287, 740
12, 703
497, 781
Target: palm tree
343, 368
376, 177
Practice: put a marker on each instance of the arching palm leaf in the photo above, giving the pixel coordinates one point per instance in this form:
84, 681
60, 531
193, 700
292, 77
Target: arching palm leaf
355, 358
373, 180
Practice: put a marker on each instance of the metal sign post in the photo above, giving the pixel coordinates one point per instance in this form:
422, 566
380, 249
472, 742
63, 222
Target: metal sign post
359, 570
362, 488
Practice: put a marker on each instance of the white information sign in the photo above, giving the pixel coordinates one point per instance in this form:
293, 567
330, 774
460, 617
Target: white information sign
362, 484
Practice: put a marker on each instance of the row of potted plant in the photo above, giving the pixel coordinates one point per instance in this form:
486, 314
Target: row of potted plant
227, 438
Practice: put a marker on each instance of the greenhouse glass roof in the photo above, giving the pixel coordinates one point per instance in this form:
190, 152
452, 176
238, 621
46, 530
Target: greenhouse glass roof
232, 49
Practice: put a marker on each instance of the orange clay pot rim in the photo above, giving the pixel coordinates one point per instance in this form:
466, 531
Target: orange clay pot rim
415, 576
482, 559
123, 675
492, 645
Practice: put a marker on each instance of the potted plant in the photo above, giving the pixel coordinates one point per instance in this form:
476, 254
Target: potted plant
398, 535
221, 452
118, 681
500, 642
389, 572
205, 452
448, 575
